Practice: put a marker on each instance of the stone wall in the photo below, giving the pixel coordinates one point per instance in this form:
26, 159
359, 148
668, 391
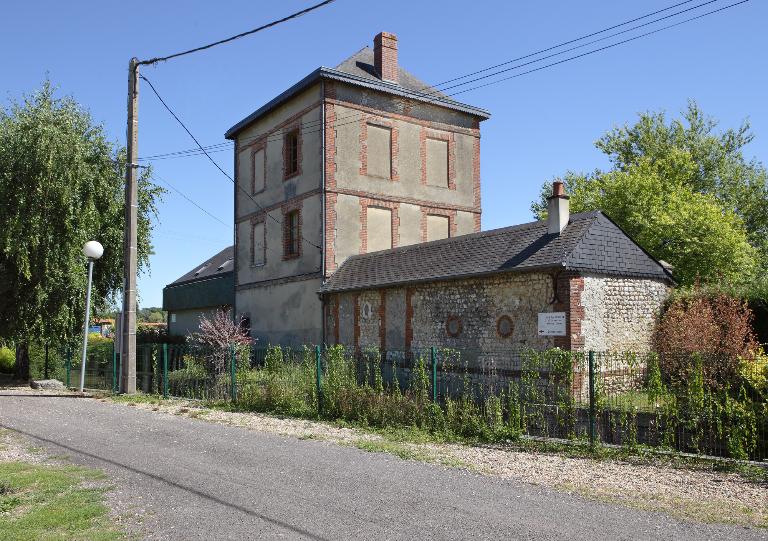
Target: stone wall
619, 313
604, 314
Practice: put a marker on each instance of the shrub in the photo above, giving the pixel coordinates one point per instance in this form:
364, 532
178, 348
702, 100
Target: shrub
217, 334
713, 324
7, 360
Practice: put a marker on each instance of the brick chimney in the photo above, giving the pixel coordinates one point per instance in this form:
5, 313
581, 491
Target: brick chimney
385, 56
558, 209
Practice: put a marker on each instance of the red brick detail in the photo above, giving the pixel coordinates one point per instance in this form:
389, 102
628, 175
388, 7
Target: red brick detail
287, 207
408, 318
261, 144
369, 120
476, 179
406, 117
395, 222
266, 209
478, 224
383, 319
569, 288
293, 120
385, 56
399, 199
258, 220
356, 319
336, 321
434, 211
330, 233
425, 134
296, 127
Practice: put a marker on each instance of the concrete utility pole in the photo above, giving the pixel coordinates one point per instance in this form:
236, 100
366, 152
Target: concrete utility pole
128, 346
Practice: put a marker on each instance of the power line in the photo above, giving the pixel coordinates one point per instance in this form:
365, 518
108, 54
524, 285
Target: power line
220, 147
156, 177
238, 36
602, 48
215, 163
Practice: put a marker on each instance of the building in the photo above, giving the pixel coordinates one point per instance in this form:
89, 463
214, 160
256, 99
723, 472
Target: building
572, 281
350, 160
200, 292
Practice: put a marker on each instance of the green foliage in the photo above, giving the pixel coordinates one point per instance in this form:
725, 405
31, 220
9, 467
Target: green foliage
684, 192
152, 314
61, 183
7, 360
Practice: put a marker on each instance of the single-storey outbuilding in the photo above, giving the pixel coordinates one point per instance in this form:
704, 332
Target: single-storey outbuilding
200, 292
578, 282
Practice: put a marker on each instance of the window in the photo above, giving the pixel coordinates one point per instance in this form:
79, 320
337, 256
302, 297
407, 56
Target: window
504, 326
438, 227
291, 234
453, 326
258, 246
379, 229
257, 165
291, 153
379, 151
173, 318
437, 162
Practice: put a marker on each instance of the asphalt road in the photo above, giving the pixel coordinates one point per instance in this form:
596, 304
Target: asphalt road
196, 480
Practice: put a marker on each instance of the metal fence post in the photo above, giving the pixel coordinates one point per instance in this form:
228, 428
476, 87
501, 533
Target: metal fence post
233, 371
592, 399
165, 370
433, 355
318, 379
114, 368
68, 365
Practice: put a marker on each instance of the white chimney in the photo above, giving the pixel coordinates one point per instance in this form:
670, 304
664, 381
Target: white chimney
558, 209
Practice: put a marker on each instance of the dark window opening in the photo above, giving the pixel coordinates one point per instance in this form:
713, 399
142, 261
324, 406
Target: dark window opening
291, 153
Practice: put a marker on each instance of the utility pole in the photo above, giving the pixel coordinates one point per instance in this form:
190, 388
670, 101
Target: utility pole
128, 346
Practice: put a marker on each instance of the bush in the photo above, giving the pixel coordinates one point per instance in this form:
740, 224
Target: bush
710, 323
7, 360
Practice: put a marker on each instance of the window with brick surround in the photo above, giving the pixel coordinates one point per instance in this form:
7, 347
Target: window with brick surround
291, 153
291, 234
438, 227
258, 171
379, 151
258, 246
437, 162
379, 229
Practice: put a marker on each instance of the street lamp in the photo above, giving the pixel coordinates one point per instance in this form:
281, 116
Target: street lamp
93, 251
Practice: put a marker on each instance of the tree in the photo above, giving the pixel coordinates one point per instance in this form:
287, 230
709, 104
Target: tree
61, 184
684, 192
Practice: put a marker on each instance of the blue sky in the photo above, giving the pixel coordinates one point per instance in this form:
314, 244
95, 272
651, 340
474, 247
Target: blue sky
542, 125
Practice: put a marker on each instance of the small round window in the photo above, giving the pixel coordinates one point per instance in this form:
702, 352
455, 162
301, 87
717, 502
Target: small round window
453, 326
504, 326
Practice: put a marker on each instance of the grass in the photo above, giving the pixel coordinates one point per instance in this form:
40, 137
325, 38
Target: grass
52, 502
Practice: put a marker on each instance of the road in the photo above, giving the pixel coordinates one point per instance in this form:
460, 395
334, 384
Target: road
196, 480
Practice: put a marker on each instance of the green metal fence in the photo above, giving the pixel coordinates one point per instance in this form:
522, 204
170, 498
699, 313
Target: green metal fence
684, 402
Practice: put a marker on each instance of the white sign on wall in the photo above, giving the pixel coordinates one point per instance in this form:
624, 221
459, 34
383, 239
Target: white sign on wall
552, 324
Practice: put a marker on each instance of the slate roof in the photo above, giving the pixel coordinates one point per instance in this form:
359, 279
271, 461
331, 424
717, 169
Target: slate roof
590, 242
358, 70
219, 265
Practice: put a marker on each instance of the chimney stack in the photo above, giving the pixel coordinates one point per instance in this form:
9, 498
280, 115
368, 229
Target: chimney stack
558, 209
385, 56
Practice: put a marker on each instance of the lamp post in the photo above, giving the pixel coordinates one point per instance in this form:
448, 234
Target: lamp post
93, 251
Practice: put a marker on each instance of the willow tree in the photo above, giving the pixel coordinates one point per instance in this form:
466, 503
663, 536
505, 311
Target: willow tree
61, 184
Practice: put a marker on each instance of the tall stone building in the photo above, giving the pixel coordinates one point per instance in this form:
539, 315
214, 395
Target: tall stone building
350, 160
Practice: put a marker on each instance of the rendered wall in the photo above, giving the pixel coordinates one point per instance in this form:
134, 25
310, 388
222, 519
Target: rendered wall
188, 321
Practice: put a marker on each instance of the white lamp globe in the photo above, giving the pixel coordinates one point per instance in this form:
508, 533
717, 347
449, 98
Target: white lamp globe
93, 249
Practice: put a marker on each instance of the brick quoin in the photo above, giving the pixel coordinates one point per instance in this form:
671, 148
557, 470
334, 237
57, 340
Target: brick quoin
570, 287
408, 318
448, 213
383, 319
395, 221
476, 179
330, 233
